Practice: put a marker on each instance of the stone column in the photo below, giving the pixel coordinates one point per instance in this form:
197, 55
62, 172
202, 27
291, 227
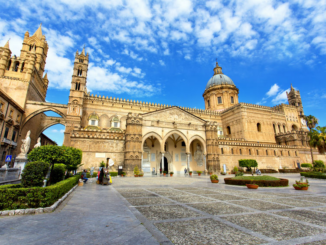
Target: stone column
162, 163
188, 167
204, 158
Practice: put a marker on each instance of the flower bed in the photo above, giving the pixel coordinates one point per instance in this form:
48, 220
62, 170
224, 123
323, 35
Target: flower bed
17, 197
316, 175
259, 182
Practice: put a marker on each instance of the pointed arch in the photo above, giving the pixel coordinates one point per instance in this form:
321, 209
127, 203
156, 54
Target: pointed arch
154, 134
199, 138
174, 132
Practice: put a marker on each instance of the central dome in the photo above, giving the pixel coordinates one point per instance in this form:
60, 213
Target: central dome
219, 79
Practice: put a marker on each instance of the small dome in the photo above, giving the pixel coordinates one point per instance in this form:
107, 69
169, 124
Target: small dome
219, 79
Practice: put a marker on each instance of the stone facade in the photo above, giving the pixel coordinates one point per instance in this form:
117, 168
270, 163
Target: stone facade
152, 136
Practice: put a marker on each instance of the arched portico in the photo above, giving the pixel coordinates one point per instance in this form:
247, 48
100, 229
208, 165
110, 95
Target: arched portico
151, 152
174, 133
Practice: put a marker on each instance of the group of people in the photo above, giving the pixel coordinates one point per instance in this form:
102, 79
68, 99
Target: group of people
103, 176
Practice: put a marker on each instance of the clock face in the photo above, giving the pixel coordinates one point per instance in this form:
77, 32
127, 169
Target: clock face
303, 122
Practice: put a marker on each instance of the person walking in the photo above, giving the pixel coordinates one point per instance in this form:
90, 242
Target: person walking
185, 171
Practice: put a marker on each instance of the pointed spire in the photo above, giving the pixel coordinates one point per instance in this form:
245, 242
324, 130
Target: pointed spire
292, 87
217, 69
45, 76
7, 44
38, 32
83, 52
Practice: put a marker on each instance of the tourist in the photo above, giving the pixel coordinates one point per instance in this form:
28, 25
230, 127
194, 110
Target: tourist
84, 174
185, 171
101, 176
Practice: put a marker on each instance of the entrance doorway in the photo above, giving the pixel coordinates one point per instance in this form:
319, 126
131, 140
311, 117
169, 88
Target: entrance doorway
166, 166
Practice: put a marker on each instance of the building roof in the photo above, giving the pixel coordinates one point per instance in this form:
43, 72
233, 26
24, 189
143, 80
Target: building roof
219, 78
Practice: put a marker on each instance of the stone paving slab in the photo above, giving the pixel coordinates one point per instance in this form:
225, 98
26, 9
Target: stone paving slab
308, 216
219, 208
226, 197
190, 199
295, 202
260, 205
277, 228
148, 201
157, 212
314, 198
205, 231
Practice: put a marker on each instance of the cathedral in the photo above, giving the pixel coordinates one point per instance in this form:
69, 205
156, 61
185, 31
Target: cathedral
149, 135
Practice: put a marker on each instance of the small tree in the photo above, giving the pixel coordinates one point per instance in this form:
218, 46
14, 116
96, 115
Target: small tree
58, 172
136, 170
34, 174
248, 163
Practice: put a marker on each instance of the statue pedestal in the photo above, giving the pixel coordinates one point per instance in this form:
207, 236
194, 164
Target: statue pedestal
20, 163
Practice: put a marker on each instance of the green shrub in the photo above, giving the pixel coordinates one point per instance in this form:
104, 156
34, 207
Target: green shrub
316, 175
58, 172
263, 177
102, 164
223, 173
248, 163
18, 197
136, 170
171, 173
235, 169
34, 173
88, 175
262, 183
306, 165
214, 177
199, 172
238, 174
113, 174
319, 164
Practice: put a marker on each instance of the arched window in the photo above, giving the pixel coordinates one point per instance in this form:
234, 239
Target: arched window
77, 86
279, 128
93, 119
232, 100
289, 153
281, 153
294, 127
240, 152
79, 72
115, 123
208, 103
219, 100
274, 128
257, 152
22, 68
222, 152
232, 151
266, 152
249, 152
81, 60
258, 127
31, 47
228, 130
284, 129
274, 153
296, 154
16, 66
9, 64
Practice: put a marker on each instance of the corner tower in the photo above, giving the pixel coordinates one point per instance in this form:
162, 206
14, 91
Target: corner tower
77, 93
294, 99
220, 92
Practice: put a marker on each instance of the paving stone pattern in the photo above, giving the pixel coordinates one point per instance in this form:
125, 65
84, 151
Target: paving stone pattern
177, 210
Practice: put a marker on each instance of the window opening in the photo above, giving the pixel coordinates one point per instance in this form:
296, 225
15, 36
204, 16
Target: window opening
228, 129
258, 127
219, 99
232, 99
6, 133
183, 143
13, 138
208, 103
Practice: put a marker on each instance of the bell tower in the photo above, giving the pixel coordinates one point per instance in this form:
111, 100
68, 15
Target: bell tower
77, 93
294, 99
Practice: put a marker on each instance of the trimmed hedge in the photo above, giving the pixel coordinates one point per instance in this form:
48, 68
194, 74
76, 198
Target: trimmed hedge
17, 197
88, 175
296, 170
268, 171
114, 174
262, 183
248, 163
306, 165
34, 174
316, 175
58, 172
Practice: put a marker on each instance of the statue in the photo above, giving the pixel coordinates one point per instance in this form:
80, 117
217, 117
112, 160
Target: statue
199, 156
26, 143
38, 144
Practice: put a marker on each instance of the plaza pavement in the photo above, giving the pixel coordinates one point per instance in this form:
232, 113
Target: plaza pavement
177, 210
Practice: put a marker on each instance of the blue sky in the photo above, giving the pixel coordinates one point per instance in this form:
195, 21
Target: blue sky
165, 51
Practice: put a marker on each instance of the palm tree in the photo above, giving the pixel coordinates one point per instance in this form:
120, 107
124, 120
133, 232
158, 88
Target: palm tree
311, 123
321, 143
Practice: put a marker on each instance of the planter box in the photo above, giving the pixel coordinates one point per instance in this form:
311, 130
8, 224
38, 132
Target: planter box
171, 175
190, 174
199, 174
214, 181
252, 186
302, 188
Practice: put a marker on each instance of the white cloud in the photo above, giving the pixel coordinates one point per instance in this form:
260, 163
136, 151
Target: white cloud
161, 62
273, 90
109, 62
187, 57
281, 97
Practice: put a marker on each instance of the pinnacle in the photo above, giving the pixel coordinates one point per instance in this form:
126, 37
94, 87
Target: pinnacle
6, 45
38, 32
45, 76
